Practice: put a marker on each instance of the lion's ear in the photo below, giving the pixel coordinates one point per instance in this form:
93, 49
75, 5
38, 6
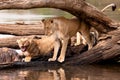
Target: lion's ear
43, 20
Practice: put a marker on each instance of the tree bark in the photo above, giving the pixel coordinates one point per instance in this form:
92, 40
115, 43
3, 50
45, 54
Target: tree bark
19, 30
83, 10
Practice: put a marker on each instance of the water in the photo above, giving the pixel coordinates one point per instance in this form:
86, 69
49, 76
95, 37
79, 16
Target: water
91, 72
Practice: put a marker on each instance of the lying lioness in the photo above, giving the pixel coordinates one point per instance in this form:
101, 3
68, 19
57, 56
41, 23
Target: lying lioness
35, 47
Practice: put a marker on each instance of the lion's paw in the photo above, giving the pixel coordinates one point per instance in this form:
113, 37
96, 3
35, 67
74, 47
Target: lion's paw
61, 59
51, 59
27, 59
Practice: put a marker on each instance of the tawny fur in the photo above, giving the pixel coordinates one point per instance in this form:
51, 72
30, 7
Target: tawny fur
64, 29
35, 47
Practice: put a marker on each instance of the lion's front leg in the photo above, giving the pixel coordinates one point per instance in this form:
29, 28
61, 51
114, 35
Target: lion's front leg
63, 50
56, 49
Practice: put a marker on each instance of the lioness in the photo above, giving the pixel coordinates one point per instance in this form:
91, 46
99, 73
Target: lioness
65, 29
34, 47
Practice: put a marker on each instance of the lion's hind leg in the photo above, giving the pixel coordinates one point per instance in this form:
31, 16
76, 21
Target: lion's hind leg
78, 39
86, 34
87, 37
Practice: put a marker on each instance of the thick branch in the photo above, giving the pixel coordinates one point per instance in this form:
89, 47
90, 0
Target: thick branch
80, 8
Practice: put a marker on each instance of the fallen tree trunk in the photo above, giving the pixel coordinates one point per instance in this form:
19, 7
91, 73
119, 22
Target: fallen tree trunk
25, 29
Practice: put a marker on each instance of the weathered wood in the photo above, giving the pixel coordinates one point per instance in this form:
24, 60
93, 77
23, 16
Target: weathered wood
25, 29
83, 10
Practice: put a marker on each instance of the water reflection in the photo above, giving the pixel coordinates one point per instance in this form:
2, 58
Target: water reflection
58, 74
63, 73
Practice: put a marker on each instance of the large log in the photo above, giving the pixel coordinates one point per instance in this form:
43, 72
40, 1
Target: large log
24, 29
83, 10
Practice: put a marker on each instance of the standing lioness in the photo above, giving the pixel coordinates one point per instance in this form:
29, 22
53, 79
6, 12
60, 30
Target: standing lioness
64, 29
